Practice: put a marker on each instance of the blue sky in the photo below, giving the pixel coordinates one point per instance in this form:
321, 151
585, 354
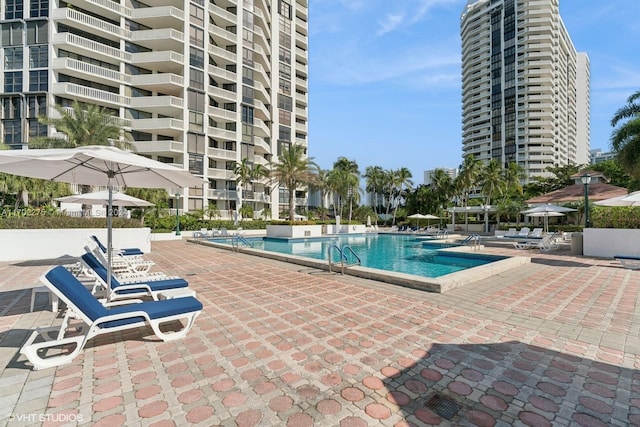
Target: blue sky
384, 77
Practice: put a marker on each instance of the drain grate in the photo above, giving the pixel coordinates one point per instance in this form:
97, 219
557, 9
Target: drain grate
443, 406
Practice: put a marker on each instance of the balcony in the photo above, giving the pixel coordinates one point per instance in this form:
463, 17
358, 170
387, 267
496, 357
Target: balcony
261, 110
222, 194
223, 56
164, 126
226, 135
302, 40
222, 74
221, 36
171, 84
221, 114
83, 70
107, 8
162, 61
166, 105
88, 94
86, 47
160, 39
160, 148
90, 24
261, 146
220, 174
261, 128
220, 93
217, 13
218, 153
159, 17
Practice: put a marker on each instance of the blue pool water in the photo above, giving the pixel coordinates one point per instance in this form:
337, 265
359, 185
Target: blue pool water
391, 252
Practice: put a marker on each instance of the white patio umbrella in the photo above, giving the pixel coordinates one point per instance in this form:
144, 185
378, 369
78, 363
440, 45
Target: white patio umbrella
102, 197
631, 199
96, 165
546, 210
546, 216
419, 216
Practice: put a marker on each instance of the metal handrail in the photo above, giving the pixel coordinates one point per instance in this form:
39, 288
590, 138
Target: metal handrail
237, 239
344, 260
472, 238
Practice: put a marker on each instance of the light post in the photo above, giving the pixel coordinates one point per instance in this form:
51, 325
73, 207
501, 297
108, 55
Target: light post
177, 214
586, 179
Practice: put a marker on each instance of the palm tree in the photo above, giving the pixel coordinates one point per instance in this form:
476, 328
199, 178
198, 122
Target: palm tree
291, 171
349, 177
442, 187
467, 178
82, 125
322, 184
491, 181
159, 198
402, 183
625, 140
374, 176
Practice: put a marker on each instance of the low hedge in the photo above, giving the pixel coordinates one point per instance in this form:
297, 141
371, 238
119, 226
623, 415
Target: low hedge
45, 222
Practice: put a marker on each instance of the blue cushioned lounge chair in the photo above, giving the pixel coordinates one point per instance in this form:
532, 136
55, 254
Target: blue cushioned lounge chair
96, 319
121, 251
151, 287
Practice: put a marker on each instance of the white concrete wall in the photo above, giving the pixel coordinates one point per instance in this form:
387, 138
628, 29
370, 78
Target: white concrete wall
608, 242
294, 231
22, 245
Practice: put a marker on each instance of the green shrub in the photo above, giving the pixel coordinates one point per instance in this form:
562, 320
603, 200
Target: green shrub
46, 222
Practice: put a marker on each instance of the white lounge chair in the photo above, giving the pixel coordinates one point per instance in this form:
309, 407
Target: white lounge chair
630, 262
96, 319
536, 233
547, 243
128, 264
142, 287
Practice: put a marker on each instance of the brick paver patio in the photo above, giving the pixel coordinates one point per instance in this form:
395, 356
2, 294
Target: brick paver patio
555, 342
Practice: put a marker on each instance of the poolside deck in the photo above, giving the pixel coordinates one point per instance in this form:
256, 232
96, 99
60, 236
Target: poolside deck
553, 342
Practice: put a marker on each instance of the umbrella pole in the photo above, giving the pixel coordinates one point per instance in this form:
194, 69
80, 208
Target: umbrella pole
109, 236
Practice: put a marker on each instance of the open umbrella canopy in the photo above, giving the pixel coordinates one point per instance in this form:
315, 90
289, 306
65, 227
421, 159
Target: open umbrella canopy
96, 165
547, 207
546, 210
631, 199
102, 197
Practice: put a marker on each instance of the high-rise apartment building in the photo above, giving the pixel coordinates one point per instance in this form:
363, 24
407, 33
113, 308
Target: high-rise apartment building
525, 89
202, 84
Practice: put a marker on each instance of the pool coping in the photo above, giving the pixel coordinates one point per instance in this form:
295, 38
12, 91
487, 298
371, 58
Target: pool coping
431, 284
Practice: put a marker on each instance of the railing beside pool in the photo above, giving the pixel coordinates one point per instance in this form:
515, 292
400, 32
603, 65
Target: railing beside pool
344, 259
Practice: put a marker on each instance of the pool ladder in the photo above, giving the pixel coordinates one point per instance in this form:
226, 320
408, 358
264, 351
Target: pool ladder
237, 240
473, 240
344, 252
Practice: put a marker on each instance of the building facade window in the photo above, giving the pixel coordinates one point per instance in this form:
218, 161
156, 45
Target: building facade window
12, 34
38, 81
14, 9
13, 81
38, 32
13, 58
38, 56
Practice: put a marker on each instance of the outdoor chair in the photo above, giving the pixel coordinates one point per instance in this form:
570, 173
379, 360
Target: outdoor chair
547, 243
122, 251
129, 264
149, 287
62, 344
630, 262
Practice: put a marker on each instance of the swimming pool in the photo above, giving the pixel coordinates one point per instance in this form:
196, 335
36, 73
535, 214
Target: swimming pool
392, 258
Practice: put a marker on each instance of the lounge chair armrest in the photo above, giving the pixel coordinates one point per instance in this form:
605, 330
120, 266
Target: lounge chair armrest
138, 286
120, 316
113, 303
